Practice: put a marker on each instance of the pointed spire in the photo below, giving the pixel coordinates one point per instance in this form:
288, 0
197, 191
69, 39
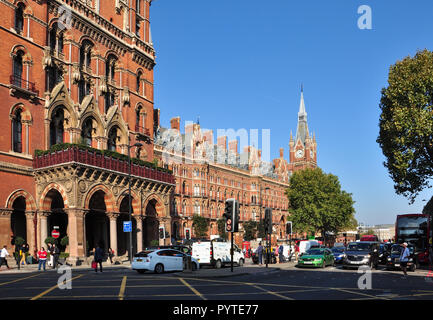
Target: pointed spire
302, 130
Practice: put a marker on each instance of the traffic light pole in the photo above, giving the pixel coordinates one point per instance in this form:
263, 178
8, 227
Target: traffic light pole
231, 252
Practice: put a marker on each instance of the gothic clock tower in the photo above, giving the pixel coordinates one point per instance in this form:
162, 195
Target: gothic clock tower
303, 149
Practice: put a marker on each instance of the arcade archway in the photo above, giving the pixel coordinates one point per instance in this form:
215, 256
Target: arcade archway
150, 223
97, 223
18, 218
123, 238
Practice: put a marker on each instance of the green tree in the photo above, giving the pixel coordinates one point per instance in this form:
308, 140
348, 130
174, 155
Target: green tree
250, 228
200, 225
317, 202
222, 228
406, 124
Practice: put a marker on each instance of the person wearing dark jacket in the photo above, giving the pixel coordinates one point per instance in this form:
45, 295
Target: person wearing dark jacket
56, 254
99, 255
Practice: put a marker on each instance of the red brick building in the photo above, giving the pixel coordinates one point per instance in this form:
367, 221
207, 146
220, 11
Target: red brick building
76, 85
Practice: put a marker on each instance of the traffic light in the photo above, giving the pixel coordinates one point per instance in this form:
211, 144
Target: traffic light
231, 214
161, 232
268, 221
289, 227
187, 234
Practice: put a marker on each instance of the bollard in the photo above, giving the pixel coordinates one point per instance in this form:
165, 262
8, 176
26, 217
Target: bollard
187, 263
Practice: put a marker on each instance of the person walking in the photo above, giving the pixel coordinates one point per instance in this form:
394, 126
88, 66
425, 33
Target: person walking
50, 251
280, 254
18, 254
23, 256
259, 252
42, 256
111, 254
99, 255
56, 254
296, 252
3, 257
404, 258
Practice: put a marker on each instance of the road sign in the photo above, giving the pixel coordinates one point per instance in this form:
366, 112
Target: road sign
55, 234
127, 226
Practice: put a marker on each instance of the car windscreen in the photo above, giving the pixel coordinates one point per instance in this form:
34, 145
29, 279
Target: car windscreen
337, 250
315, 252
143, 254
397, 249
359, 246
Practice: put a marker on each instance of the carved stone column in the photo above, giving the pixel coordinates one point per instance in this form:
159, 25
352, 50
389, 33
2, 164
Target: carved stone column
113, 231
43, 223
76, 234
139, 220
30, 225
5, 227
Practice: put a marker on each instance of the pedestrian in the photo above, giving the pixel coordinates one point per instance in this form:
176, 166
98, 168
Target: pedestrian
111, 254
3, 257
23, 256
42, 256
51, 252
18, 254
404, 258
259, 252
56, 254
280, 254
99, 255
296, 252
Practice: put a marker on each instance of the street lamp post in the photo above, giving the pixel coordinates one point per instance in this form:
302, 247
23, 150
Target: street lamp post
129, 195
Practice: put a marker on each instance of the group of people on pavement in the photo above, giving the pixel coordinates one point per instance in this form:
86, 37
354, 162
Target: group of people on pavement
260, 251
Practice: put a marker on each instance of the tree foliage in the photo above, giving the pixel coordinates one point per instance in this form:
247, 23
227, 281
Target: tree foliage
200, 225
250, 230
317, 202
406, 124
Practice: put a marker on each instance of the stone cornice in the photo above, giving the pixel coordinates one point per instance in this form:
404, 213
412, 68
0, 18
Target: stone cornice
16, 168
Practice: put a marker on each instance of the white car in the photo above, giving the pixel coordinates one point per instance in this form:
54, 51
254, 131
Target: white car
161, 260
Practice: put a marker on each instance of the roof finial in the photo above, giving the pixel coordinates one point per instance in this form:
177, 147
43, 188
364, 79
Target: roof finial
302, 87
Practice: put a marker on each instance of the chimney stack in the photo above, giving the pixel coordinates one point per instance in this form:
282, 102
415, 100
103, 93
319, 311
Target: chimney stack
233, 146
175, 123
222, 142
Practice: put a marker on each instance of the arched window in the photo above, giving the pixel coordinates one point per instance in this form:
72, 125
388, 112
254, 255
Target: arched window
86, 132
183, 187
138, 83
56, 126
137, 118
18, 68
17, 131
55, 40
86, 54
110, 66
19, 18
112, 139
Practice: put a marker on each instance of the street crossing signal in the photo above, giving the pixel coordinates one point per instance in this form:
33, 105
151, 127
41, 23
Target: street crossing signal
187, 234
161, 232
231, 214
289, 227
268, 221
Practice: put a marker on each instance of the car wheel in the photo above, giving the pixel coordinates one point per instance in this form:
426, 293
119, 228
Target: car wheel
413, 267
218, 264
324, 264
159, 268
241, 262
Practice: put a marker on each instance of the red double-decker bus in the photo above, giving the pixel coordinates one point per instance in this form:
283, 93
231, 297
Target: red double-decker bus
415, 229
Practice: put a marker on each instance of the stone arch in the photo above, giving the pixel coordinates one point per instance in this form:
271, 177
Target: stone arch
30, 201
158, 203
117, 121
110, 202
45, 202
25, 112
135, 203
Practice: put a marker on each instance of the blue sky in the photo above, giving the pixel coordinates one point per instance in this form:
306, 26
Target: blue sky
240, 64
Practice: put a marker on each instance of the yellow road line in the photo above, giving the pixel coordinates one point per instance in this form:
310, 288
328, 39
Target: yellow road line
360, 293
192, 289
35, 275
53, 288
122, 288
272, 293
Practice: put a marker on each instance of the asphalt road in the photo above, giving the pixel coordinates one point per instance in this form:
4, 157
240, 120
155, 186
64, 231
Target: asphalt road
287, 284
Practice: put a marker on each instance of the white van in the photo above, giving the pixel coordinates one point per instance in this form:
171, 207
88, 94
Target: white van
305, 245
216, 253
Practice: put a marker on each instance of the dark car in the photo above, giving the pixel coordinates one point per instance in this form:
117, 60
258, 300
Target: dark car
362, 253
393, 261
384, 252
339, 253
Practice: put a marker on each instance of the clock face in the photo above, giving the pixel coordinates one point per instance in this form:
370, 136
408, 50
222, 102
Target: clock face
299, 153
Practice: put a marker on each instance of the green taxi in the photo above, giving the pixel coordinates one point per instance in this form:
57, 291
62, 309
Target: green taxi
317, 257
